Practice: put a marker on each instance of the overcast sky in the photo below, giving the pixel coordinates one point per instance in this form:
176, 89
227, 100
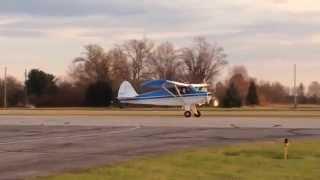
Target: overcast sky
267, 36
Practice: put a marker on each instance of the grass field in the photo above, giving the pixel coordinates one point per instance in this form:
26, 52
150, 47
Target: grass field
263, 161
271, 111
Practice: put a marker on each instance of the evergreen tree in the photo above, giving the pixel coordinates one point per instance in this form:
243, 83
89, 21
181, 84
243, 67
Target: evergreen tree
232, 97
252, 96
41, 83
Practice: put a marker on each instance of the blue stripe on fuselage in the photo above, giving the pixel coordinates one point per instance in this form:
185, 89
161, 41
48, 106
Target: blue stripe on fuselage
158, 97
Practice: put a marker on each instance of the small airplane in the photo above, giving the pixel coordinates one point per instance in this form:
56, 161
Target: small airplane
167, 93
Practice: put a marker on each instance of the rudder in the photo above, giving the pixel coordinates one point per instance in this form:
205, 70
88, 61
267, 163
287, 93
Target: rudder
126, 91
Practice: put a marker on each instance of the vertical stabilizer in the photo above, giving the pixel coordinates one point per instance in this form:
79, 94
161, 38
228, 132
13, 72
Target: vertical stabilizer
126, 91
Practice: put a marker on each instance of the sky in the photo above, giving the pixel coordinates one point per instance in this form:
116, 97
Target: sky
266, 36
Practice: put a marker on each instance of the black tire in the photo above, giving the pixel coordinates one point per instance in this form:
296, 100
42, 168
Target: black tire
198, 114
187, 114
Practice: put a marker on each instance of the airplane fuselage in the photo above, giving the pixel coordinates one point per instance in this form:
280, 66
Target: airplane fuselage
183, 100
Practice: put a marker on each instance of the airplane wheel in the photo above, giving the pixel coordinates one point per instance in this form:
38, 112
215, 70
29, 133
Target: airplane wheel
187, 114
198, 114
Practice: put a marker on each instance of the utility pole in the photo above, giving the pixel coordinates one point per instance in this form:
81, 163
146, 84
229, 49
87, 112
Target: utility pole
295, 86
5, 88
26, 88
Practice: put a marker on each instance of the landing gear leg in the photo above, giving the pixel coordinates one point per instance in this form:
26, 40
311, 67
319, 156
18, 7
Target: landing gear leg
195, 111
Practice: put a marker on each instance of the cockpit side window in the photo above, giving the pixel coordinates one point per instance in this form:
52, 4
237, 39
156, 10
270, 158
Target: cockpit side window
172, 89
186, 90
183, 90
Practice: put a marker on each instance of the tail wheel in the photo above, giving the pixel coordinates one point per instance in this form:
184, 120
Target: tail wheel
198, 114
187, 114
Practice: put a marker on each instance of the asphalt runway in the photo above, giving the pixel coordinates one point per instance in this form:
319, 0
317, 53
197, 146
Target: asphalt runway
39, 146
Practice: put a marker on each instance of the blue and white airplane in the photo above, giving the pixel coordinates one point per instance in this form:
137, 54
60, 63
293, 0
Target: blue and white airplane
167, 93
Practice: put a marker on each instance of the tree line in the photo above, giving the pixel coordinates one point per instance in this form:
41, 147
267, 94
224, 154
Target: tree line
93, 79
241, 89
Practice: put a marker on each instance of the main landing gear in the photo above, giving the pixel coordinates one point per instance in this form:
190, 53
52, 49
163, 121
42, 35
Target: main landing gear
189, 110
187, 114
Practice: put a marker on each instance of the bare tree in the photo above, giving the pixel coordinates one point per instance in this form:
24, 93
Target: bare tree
120, 68
241, 80
165, 63
241, 84
203, 61
273, 92
301, 90
137, 52
314, 89
239, 70
93, 66
68, 95
301, 94
220, 91
15, 92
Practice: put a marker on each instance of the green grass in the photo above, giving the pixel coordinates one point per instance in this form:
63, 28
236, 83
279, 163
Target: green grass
261, 161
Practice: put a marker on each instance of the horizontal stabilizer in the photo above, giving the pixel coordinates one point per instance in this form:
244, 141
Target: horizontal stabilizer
126, 91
